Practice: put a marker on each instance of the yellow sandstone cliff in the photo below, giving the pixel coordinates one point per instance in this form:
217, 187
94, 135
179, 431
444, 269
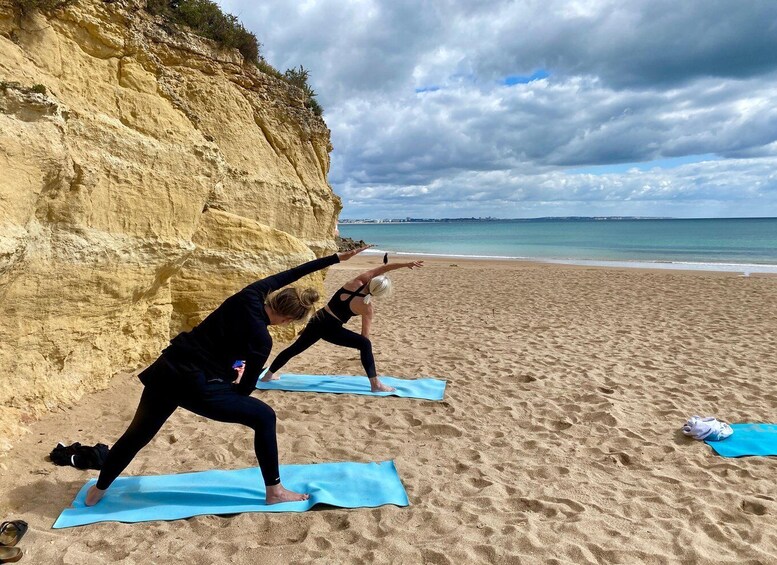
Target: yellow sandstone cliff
155, 175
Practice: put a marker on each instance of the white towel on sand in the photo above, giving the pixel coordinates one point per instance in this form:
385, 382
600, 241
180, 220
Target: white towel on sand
708, 428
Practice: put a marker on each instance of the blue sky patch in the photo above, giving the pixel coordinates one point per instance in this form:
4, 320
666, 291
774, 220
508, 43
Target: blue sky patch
512, 80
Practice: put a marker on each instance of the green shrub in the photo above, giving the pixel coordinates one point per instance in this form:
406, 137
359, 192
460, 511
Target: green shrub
27, 6
313, 105
205, 18
268, 69
38, 89
299, 78
158, 7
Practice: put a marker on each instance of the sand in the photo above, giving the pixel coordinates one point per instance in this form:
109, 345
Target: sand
558, 441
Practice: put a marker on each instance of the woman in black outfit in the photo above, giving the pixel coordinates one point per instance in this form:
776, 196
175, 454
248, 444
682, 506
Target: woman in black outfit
195, 372
352, 299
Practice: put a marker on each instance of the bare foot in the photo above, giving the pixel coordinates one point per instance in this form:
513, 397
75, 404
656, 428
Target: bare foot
268, 376
377, 386
278, 493
94, 495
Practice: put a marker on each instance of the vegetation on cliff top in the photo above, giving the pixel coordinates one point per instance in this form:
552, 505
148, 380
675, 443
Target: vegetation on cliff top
27, 6
299, 78
206, 19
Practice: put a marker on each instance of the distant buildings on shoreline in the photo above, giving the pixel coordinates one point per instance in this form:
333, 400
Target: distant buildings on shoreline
413, 220
409, 220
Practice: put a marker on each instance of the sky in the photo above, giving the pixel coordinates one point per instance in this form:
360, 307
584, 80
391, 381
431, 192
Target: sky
521, 109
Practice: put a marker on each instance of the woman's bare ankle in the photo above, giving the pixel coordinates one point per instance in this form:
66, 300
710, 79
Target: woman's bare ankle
279, 493
377, 386
269, 376
94, 495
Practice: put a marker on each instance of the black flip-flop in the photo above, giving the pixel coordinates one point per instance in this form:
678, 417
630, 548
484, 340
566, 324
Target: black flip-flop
10, 554
11, 532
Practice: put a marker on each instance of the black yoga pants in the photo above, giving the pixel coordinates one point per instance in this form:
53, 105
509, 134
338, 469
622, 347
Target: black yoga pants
327, 327
169, 386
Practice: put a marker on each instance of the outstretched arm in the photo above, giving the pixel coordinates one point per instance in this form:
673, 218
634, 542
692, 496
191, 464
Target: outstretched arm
274, 282
345, 255
367, 276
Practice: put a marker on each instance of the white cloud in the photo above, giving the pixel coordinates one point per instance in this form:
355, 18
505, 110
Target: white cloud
422, 123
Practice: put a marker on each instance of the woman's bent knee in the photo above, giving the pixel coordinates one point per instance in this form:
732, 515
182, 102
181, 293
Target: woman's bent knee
264, 418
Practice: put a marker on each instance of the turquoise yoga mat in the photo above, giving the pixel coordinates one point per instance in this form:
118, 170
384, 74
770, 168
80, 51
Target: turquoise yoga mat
425, 389
747, 439
172, 497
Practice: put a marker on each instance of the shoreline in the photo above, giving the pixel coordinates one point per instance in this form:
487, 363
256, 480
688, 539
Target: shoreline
744, 269
745, 245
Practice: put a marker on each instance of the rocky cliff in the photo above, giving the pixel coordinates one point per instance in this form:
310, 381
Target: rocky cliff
145, 174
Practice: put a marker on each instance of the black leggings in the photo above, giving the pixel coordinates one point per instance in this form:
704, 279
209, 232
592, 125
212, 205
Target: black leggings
169, 386
325, 326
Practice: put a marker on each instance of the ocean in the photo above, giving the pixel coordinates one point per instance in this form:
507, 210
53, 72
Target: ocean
747, 245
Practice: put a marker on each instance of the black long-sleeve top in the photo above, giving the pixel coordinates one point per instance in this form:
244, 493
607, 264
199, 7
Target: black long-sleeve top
238, 330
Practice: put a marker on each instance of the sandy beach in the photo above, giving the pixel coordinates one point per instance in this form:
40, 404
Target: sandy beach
558, 441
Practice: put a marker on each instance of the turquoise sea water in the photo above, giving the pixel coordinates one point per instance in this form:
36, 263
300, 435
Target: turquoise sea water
733, 244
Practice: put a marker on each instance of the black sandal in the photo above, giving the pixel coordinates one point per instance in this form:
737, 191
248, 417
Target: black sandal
10, 554
11, 533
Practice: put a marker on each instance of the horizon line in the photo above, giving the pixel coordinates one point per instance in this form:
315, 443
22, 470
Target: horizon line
407, 219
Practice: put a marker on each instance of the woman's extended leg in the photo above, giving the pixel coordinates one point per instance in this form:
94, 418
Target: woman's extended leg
310, 335
154, 409
346, 338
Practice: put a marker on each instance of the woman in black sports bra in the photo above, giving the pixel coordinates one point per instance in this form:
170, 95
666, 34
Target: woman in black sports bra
352, 299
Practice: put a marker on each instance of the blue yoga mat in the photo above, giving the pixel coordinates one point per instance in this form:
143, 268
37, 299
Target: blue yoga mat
747, 439
172, 497
426, 389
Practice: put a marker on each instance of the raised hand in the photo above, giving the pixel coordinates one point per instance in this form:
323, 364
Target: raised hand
345, 255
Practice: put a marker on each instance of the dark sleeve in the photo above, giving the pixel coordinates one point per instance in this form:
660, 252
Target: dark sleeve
269, 284
255, 360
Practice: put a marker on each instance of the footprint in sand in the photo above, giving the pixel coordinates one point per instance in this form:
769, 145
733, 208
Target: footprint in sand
752, 507
559, 426
621, 458
462, 467
600, 417
337, 522
486, 552
411, 420
442, 430
435, 557
480, 483
549, 508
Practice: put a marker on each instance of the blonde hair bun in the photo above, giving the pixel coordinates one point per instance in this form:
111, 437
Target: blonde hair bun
380, 287
308, 297
293, 303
